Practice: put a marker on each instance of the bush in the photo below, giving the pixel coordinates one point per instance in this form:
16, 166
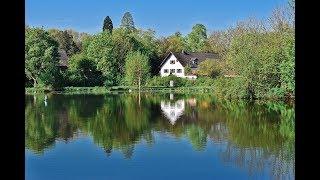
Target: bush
136, 68
165, 81
83, 72
234, 88
209, 68
180, 82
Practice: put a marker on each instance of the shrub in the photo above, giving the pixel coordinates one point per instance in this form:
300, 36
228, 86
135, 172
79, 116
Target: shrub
165, 81
209, 68
234, 88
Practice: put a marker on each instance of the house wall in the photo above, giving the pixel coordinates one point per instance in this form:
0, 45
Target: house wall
177, 65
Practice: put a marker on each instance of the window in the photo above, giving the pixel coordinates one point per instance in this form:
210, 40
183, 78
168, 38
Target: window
172, 70
179, 70
165, 71
172, 61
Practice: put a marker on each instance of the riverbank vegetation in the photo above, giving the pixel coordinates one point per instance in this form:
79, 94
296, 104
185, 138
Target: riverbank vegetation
257, 57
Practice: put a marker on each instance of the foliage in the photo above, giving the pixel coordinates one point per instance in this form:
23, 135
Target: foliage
197, 39
101, 50
107, 24
187, 70
65, 41
137, 68
209, 68
165, 81
230, 88
78, 38
259, 58
259, 54
41, 58
83, 72
127, 21
173, 43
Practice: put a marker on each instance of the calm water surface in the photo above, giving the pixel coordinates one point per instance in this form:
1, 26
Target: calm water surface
168, 136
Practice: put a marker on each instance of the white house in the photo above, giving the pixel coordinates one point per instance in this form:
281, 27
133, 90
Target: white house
175, 63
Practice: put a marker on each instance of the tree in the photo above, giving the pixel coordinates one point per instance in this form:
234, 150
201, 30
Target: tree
127, 21
124, 42
78, 38
100, 49
173, 43
41, 57
83, 71
65, 41
137, 68
259, 59
107, 24
147, 44
197, 39
209, 68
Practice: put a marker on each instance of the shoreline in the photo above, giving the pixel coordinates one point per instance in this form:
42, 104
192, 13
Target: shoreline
151, 89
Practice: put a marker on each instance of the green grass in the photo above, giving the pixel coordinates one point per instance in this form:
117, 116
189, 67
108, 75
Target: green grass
99, 90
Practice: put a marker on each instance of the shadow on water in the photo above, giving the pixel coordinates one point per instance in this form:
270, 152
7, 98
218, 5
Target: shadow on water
254, 135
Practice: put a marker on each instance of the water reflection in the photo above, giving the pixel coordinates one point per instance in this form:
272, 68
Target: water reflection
254, 137
172, 110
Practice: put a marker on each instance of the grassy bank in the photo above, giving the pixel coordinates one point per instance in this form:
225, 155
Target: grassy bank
103, 90
69, 90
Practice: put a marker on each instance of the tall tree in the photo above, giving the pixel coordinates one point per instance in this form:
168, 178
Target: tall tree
100, 49
127, 21
173, 43
41, 57
197, 39
107, 24
137, 68
65, 41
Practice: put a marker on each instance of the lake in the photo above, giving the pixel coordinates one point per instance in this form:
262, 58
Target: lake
157, 136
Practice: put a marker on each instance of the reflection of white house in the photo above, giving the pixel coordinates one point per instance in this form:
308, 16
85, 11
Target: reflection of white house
175, 63
173, 110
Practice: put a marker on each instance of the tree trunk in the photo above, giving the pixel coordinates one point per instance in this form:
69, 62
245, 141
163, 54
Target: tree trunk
34, 83
139, 89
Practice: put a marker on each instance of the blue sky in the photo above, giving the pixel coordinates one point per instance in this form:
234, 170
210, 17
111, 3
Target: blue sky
164, 16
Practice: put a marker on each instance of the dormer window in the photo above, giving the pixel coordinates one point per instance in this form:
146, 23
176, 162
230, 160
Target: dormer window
194, 61
172, 61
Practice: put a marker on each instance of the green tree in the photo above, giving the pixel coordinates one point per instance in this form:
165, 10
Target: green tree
107, 24
124, 42
137, 68
78, 38
65, 41
147, 44
127, 21
197, 39
173, 43
209, 68
263, 60
100, 49
41, 57
83, 71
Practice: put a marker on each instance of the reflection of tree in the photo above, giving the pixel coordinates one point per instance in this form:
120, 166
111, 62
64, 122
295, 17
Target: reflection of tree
255, 135
255, 141
197, 136
40, 129
120, 123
